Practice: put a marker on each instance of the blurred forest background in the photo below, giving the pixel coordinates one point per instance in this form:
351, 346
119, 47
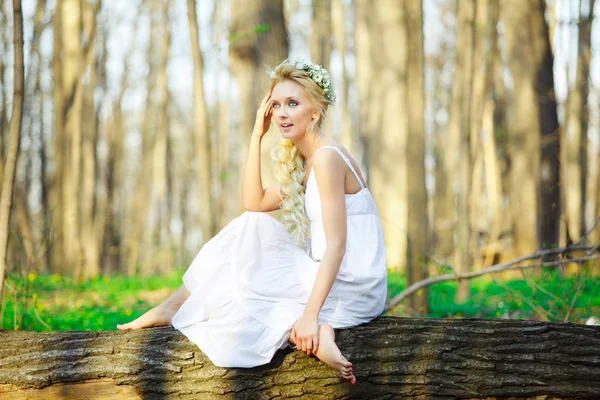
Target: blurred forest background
476, 122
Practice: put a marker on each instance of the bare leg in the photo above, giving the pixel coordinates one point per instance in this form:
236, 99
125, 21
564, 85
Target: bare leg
162, 314
330, 354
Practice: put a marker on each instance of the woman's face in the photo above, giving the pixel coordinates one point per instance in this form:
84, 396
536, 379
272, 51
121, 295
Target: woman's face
292, 109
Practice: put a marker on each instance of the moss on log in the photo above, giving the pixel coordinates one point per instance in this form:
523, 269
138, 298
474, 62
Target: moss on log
392, 357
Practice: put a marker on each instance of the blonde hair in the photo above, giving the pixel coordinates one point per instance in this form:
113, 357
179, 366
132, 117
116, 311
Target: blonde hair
289, 162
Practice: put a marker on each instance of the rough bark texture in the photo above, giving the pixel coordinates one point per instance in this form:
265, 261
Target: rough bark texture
417, 225
534, 200
392, 357
201, 131
14, 133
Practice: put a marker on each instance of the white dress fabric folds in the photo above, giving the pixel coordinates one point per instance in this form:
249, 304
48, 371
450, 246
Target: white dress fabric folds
249, 284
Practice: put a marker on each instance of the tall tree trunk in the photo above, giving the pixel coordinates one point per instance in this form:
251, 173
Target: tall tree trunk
338, 19
477, 208
89, 213
575, 146
446, 218
3, 94
365, 68
115, 249
417, 221
490, 149
320, 39
592, 186
139, 206
533, 195
387, 77
59, 154
258, 39
202, 138
440, 99
463, 257
382, 81
72, 70
223, 141
12, 153
161, 259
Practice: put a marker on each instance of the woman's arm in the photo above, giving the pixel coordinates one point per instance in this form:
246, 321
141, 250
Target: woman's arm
329, 171
254, 196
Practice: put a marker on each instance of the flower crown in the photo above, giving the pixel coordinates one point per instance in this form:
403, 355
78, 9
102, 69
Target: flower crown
317, 74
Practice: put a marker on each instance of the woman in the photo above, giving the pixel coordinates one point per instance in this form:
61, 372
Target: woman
259, 284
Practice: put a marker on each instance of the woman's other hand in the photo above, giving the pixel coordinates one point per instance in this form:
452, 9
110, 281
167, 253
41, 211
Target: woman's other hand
305, 335
263, 117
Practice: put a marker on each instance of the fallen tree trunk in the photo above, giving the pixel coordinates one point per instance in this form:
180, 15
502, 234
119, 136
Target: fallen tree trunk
392, 358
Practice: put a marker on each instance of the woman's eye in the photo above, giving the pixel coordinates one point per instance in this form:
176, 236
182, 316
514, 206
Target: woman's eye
293, 103
275, 105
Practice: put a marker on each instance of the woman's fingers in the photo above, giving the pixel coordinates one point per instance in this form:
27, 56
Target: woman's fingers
268, 110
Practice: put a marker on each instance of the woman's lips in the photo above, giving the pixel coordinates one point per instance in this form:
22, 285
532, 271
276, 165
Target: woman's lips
286, 127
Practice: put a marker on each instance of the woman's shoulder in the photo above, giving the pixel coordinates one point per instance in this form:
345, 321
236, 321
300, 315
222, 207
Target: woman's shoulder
329, 150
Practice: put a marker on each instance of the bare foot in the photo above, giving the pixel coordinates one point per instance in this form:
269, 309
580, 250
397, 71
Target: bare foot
330, 354
161, 315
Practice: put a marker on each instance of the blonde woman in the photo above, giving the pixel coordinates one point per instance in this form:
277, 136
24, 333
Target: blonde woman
261, 283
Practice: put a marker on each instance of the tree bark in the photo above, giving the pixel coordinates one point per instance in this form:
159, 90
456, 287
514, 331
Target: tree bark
338, 18
382, 84
416, 220
139, 206
533, 196
392, 358
160, 238
201, 130
72, 71
320, 39
575, 145
8, 173
90, 212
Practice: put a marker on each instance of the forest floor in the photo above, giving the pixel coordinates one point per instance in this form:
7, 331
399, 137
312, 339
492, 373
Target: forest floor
54, 302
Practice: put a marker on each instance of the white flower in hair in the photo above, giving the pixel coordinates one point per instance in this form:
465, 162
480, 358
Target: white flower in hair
317, 74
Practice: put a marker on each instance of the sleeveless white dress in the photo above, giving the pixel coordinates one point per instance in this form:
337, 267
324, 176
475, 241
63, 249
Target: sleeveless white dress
249, 284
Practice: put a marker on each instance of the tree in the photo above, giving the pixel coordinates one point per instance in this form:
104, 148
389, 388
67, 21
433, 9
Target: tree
534, 164
338, 22
575, 134
12, 151
202, 139
320, 39
390, 83
139, 205
392, 358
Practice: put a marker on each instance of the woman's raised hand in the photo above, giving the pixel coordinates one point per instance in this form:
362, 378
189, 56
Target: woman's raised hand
263, 117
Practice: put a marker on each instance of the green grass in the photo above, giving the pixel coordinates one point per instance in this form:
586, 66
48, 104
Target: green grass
54, 302
544, 295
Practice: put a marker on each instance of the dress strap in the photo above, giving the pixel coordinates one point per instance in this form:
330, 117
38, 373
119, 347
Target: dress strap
346, 160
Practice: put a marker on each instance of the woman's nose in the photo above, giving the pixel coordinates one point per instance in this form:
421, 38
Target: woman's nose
282, 113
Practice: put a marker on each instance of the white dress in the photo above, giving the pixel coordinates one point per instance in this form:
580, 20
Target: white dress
249, 284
